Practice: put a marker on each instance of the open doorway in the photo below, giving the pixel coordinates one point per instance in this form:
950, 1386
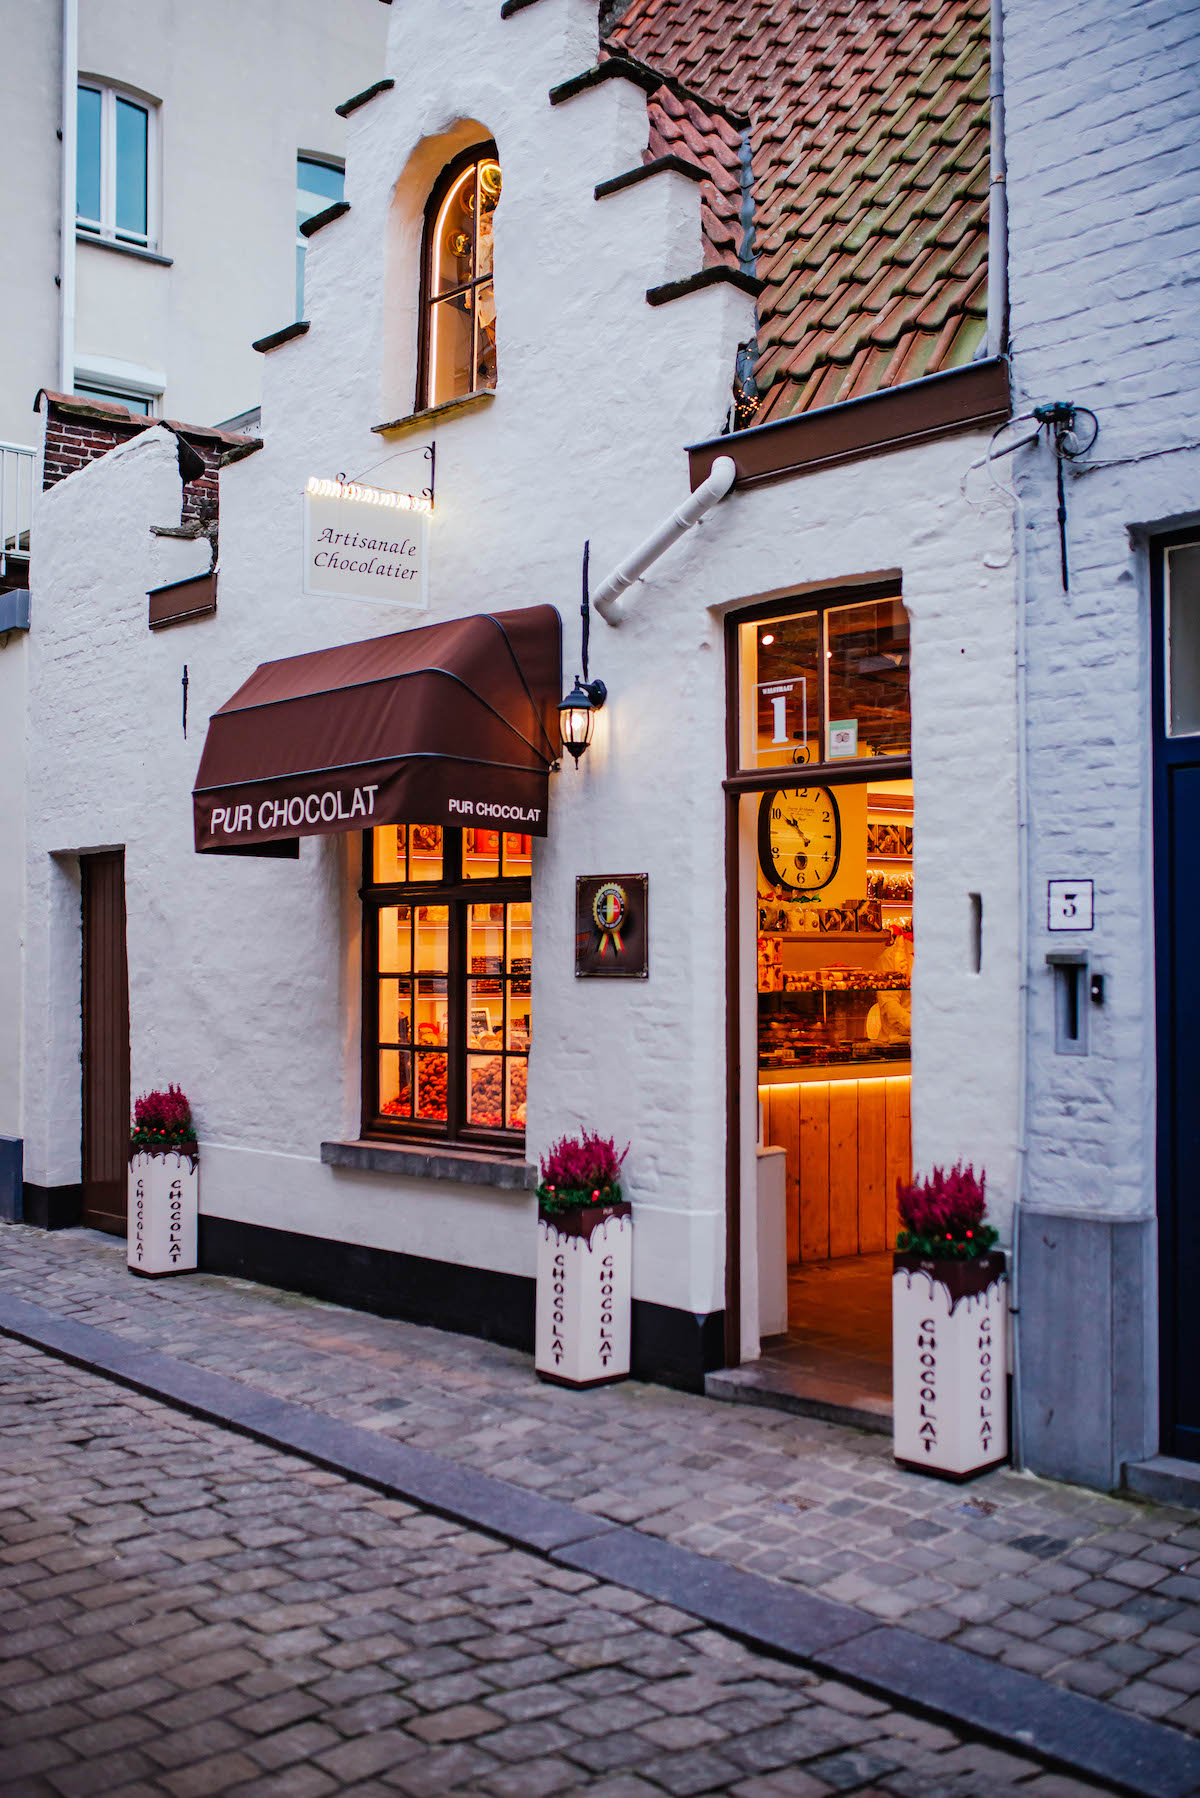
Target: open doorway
823, 700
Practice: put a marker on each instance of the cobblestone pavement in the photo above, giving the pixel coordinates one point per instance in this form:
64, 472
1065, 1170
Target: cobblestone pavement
187, 1612
1094, 1593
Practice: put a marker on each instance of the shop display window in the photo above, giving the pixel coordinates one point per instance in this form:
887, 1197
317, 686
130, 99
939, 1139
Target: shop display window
828, 684
835, 963
448, 950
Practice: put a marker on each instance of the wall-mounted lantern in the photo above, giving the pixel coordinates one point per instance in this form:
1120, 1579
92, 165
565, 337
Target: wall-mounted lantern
577, 714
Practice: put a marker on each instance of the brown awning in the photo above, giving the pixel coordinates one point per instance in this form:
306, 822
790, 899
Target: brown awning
448, 724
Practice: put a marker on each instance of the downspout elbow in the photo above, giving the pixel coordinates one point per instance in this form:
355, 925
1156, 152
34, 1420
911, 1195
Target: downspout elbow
607, 598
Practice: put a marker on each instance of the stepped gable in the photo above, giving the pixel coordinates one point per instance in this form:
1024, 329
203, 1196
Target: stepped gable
870, 143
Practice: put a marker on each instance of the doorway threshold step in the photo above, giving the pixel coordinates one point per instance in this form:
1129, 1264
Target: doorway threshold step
1165, 1479
807, 1394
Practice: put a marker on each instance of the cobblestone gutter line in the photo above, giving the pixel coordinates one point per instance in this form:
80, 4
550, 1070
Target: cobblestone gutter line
1061, 1728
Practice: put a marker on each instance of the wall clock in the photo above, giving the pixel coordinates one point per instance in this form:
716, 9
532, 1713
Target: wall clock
799, 838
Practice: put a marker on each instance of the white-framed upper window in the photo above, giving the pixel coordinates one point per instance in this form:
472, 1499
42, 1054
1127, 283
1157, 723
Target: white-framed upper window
115, 164
320, 182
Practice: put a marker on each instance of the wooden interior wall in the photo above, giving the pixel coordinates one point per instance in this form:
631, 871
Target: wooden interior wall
847, 1143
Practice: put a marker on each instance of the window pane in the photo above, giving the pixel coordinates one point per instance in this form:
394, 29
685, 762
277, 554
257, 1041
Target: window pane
317, 186
87, 156
485, 343
132, 137
433, 939
454, 235
395, 1012
387, 854
395, 1084
518, 854
868, 680
485, 1091
780, 693
450, 349
518, 1069
481, 854
395, 939
424, 852
432, 1014
431, 1088
489, 196
485, 1014
520, 944
133, 402
1183, 640
485, 945
518, 1016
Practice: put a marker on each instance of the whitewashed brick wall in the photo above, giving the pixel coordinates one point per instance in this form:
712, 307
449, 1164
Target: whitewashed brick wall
1104, 196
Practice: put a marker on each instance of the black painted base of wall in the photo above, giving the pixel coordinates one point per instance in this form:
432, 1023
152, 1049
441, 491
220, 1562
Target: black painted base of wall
12, 1150
671, 1348
51, 1207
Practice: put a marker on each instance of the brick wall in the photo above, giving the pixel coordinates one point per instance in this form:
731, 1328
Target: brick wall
77, 432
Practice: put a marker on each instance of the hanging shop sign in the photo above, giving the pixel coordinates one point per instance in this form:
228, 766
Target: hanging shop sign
611, 935
365, 543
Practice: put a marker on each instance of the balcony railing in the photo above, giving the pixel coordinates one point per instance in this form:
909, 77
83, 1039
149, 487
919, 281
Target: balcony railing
16, 501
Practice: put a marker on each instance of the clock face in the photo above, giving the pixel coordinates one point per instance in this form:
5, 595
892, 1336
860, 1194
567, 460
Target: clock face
799, 838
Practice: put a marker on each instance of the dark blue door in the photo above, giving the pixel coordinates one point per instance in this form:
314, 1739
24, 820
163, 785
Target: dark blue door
1179, 1084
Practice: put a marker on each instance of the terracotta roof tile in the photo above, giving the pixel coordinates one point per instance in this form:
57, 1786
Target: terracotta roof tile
869, 145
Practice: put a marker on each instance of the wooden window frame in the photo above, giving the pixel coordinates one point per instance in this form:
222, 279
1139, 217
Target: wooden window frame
457, 894
425, 398
741, 779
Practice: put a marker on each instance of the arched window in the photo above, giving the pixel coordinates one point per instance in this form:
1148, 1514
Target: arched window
458, 339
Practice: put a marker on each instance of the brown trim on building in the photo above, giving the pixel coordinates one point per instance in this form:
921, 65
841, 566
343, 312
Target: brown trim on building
368, 93
195, 597
319, 220
104, 1050
73, 405
661, 165
275, 338
960, 399
707, 277
733, 1024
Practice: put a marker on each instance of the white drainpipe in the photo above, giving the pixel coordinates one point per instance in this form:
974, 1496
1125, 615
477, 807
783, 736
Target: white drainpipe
66, 258
997, 311
607, 598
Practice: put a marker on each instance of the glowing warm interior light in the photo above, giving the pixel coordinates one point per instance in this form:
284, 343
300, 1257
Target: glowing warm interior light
435, 311
370, 496
769, 638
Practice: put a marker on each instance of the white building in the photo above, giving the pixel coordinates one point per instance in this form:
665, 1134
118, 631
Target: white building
532, 306
312, 1174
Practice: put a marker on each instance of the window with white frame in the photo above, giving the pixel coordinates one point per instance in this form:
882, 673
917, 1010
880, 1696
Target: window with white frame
318, 184
115, 156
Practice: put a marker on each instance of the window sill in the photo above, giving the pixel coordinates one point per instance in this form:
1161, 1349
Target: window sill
432, 415
464, 1167
125, 249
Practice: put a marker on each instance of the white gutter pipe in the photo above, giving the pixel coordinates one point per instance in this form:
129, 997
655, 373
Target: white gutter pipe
607, 598
997, 304
66, 255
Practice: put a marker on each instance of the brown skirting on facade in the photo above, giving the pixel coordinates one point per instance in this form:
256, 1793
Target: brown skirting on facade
961, 399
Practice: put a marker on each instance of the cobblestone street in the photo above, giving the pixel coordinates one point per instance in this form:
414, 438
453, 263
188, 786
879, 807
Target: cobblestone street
1094, 1593
188, 1612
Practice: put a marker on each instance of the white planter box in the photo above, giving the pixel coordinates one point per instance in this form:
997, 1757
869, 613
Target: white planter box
162, 1212
584, 1292
950, 1364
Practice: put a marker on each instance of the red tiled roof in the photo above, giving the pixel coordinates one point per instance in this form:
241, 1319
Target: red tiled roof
870, 141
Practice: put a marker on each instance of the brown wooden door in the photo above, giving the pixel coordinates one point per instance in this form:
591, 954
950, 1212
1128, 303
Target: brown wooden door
105, 1042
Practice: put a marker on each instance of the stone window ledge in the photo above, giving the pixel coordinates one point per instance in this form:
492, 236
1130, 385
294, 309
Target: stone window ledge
466, 1167
434, 415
